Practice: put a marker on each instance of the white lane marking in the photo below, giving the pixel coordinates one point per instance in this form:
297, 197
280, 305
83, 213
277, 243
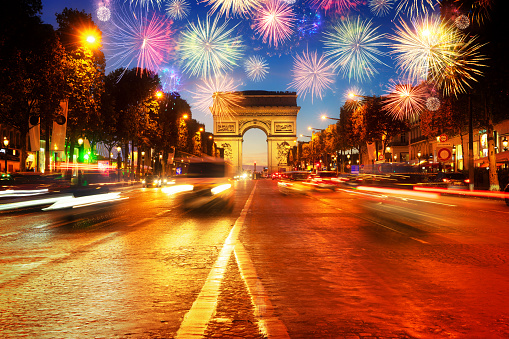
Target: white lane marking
196, 320
268, 323
139, 222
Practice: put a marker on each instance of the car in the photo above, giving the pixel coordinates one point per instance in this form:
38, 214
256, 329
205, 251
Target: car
294, 182
451, 180
151, 181
206, 185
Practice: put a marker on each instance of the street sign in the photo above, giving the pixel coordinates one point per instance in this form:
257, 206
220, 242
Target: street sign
355, 169
381, 157
444, 154
443, 138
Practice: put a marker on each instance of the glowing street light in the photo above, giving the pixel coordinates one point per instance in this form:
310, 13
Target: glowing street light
326, 117
6, 144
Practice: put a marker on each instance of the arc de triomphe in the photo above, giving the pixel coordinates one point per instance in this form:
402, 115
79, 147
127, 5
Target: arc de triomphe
275, 113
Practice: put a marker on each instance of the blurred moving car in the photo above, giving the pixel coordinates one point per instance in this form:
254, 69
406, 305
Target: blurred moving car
205, 185
294, 182
451, 180
151, 181
324, 179
506, 190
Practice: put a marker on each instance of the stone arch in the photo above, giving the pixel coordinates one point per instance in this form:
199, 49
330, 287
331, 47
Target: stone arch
275, 113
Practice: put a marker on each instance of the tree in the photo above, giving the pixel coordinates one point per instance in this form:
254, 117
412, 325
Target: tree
31, 73
84, 70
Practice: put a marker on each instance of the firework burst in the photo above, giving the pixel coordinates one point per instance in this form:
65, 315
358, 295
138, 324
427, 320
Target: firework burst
308, 23
416, 7
274, 22
234, 7
143, 38
337, 6
380, 7
177, 9
353, 45
452, 77
424, 47
209, 49
256, 68
311, 74
103, 13
218, 95
405, 100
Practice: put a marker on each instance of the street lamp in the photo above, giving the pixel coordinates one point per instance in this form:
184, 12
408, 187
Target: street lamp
80, 143
325, 117
504, 143
143, 163
388, 150
118, 161
6, 144
419, 158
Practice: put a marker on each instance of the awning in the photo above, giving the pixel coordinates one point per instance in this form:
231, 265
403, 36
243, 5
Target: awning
501, 158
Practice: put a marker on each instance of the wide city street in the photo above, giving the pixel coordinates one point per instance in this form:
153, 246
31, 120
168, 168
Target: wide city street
325, 264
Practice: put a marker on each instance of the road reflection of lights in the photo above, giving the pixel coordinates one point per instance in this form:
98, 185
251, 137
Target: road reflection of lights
73, 202
220, 188
429, 195
177, 189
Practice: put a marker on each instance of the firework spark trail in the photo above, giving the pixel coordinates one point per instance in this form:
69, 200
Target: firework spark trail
352, 45
256, 68
234, 7
337, 6
353, 98
141, 38
311, 74
170, 80
416, 7
274, 21
380, 7
219, 96
146, 3
405, 100
177, 9
208, 49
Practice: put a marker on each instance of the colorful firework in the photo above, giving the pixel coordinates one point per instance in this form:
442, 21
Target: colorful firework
177, 9
311, 74
234, 7
219, 96
143, 38
405, 100
103, 13
353, 46
380, 7
416, 7
452, 77
209, 49
170, 80
433, 103
274, 22
256, 68
337, 6
425, 47
480, 10
462, 21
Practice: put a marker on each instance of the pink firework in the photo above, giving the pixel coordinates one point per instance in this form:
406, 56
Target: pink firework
338, 6
405, 100
142, 39
274, 22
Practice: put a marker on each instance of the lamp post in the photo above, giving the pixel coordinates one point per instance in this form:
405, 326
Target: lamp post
80, 143
325, 117
6, 144
419, 159
118, 161
142, 163
505, 143
388, 150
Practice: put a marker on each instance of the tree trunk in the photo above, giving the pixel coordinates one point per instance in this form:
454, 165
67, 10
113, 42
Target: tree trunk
494, 184
47, 148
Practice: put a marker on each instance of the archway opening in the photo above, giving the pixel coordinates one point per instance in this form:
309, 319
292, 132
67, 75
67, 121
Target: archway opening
254, 150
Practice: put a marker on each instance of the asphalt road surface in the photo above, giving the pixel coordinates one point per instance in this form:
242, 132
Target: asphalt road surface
326, 264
